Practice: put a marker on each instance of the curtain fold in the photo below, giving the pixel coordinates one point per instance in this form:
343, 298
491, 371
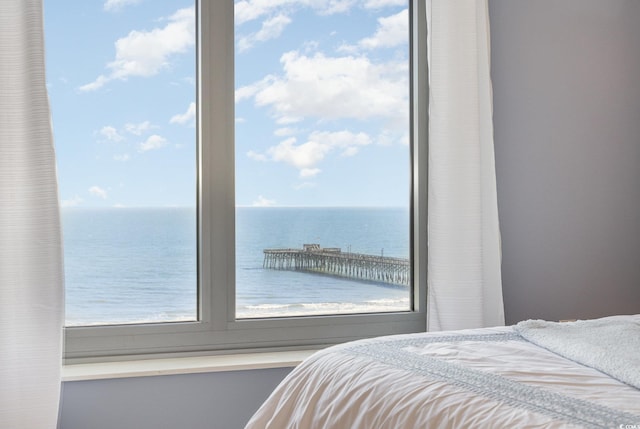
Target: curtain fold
464, 268
31, 271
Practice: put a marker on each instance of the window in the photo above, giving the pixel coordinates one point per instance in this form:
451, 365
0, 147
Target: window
265, 137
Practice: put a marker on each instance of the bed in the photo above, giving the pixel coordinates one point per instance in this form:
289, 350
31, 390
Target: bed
534, 374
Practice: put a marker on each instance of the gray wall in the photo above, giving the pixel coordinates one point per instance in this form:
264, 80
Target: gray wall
222, 400
566, 76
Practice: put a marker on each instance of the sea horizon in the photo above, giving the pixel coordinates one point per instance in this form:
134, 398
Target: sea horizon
140, 265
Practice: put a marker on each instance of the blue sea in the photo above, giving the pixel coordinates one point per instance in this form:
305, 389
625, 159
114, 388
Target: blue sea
134, 265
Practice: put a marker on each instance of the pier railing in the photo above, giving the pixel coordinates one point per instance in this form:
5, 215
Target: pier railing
332, 261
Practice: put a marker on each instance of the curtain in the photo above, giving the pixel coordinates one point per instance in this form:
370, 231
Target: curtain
31, 274
464, 273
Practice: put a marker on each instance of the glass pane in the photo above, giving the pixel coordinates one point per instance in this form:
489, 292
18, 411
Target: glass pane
322, 158
121, 77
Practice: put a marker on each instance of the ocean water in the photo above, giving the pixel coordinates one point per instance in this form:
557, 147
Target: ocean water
126, 265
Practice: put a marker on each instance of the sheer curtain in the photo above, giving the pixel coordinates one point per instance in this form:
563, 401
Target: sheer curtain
31, 276
464, 278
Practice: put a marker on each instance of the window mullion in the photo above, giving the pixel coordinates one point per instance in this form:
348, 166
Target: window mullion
217, 214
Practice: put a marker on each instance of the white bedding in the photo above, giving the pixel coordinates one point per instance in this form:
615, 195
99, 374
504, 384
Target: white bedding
483, 378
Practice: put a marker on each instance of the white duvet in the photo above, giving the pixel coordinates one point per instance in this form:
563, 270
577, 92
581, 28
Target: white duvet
482, 378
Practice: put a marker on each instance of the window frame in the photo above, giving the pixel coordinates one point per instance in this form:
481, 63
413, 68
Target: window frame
217, 331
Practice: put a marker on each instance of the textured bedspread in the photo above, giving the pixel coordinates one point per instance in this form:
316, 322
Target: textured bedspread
610, 345
485, 378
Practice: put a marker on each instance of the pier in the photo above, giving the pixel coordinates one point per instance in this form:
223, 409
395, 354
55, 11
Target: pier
333, 261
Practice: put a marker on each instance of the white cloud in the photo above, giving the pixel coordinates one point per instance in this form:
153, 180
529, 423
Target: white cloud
333, 88
138, 129
113, 5
110, 133
249, 10
187, 117
306, 156
388, 138
284, 132
146, 53
378, 4
392, 31
153, 142
272, 28
304, 185
122, 158
350, 151
250, 91
72, 202
257, 156
309, 172
303, 156
341, 139
96, 84
97, 191
263, 202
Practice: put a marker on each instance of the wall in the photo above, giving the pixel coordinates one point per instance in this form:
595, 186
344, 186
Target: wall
566, 76
221, 400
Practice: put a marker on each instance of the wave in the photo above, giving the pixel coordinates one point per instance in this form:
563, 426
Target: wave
321, 308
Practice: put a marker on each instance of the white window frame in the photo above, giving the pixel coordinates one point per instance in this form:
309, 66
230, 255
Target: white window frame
217, 331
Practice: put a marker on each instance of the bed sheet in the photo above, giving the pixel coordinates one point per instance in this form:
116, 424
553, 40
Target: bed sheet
484, 378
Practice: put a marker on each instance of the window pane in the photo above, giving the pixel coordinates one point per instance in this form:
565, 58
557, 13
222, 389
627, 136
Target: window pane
322, 158
122, 86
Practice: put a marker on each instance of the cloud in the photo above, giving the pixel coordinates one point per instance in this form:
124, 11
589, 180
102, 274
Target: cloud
138, 129
71, 202
388, 138
304, 185
249, 10
153, 142
146, 53
250, 91
263, 202
257, 156
341, 139
122, 158
378, 4
326, 88
113, 5
272, 28
392, 31
284, 132
306, 156
309, 172
96, 84
187, 117
110, 133
97, 191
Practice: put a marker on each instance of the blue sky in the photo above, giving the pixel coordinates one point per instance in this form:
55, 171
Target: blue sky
321, 102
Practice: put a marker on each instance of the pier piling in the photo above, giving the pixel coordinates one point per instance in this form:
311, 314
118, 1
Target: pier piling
331, 260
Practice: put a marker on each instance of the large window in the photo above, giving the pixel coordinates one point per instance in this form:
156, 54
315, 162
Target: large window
239, 174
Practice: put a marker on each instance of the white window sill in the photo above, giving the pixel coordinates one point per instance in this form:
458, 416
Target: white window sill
183, 365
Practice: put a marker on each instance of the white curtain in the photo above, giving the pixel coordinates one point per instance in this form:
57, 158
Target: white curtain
31, 276
464, 274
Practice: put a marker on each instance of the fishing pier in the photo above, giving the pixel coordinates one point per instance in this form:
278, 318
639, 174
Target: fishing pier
333, 261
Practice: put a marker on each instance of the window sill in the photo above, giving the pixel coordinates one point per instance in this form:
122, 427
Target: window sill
183, 365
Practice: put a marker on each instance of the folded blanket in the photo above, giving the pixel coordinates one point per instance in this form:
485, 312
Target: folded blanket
608, 345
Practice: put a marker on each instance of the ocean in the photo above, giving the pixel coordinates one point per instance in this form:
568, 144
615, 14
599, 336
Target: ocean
138, 265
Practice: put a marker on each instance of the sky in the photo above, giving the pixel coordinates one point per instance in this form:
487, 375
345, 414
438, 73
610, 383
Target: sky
321, 102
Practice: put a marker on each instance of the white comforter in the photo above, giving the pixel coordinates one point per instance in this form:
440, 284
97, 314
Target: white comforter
483, 378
